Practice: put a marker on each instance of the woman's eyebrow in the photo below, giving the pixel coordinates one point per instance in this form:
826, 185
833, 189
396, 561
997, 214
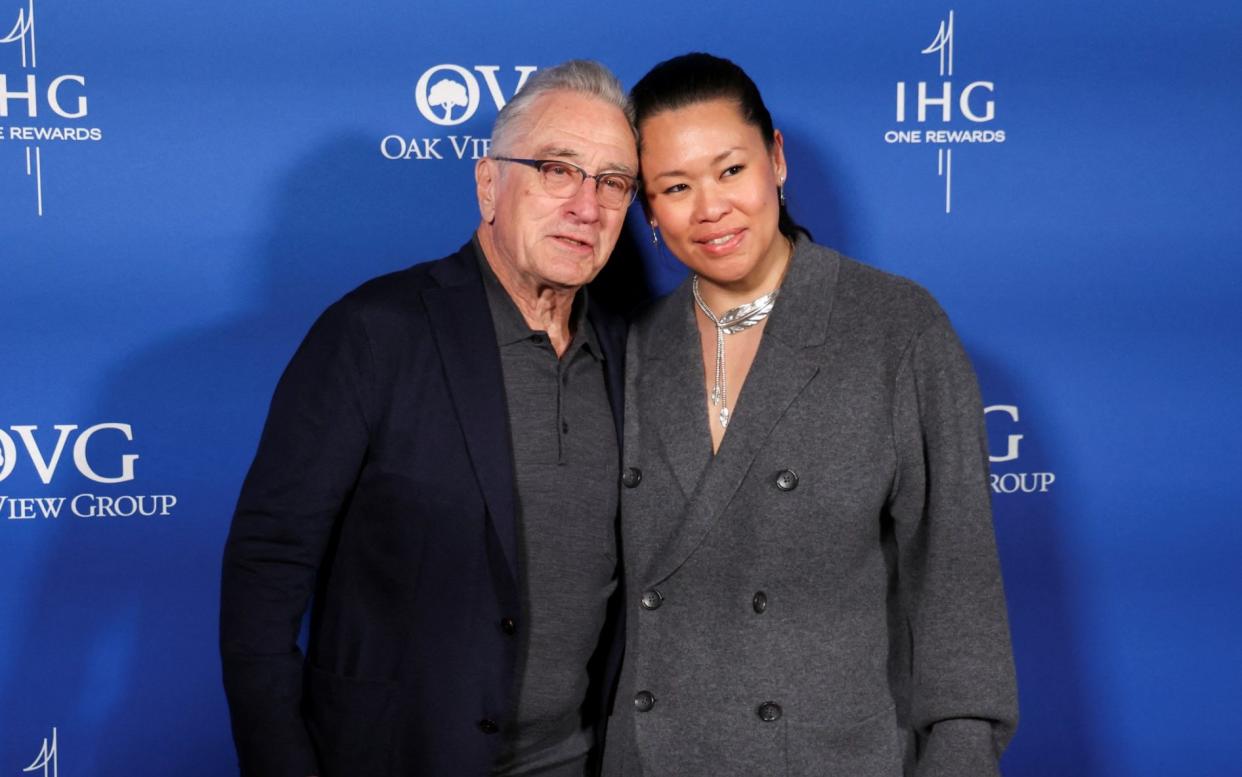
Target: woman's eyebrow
722, 156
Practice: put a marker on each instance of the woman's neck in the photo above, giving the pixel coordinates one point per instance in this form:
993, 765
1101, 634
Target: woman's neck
727, 295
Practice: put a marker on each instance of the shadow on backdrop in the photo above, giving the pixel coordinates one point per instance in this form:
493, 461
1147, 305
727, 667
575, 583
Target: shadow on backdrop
817, 192
137, 682
1054, 737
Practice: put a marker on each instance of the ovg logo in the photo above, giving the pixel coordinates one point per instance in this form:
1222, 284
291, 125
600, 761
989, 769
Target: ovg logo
100, 453
1013, 482
28, 99
926, 111
449, 95
444, 87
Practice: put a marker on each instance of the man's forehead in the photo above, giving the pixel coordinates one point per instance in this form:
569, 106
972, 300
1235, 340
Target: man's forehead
572, 126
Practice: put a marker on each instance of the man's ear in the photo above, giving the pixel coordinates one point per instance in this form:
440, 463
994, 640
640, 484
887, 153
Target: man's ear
485, 183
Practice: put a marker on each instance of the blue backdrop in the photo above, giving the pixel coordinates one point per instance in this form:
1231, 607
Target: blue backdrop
185, 185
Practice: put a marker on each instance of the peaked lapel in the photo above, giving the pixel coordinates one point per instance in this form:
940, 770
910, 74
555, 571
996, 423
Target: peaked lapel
461, 323
675, 378
781, 370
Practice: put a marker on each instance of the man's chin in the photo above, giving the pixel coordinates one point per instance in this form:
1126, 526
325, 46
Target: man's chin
571, 274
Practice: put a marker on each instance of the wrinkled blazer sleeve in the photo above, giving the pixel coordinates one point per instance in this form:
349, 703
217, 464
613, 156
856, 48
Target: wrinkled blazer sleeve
963, 697
308, 459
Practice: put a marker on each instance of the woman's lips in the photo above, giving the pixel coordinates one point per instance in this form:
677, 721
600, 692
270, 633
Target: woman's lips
721, 242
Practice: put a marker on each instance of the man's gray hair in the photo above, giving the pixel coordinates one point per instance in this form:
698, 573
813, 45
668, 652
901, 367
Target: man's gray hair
582, 76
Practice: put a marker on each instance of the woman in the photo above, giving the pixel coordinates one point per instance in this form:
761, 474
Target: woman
811, 571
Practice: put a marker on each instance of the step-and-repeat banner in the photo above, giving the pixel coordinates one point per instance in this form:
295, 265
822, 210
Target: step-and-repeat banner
184, 186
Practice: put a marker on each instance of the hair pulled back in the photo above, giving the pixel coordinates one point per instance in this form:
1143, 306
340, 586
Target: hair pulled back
695, 78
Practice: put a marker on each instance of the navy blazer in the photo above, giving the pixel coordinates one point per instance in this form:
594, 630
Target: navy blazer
384, 486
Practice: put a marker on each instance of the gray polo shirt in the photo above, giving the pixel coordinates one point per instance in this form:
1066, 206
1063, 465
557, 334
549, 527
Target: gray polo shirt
566, 468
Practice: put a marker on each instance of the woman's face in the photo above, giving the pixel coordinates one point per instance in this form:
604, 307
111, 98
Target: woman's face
710, 183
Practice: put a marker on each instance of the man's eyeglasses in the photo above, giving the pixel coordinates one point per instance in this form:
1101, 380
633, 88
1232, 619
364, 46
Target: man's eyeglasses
614, 191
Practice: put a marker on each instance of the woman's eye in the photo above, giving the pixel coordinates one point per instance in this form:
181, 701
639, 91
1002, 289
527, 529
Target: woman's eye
675, 188
734, 170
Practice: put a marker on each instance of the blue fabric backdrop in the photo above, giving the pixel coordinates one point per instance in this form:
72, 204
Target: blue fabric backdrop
185, 185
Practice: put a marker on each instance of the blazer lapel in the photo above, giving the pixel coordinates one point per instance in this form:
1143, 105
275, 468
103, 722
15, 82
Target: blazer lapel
777, 376
675, 377
781, 370
462, 326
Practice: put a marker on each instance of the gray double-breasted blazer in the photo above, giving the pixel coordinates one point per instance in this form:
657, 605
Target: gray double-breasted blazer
822, 596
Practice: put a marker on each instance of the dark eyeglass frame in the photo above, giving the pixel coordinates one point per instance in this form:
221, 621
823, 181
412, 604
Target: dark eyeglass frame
538, 165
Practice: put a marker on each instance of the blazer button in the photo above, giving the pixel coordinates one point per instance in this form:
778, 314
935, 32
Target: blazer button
508, 626
769, 711
760, 602
787, 480
488, 726
644, 701
631, 477
652, 599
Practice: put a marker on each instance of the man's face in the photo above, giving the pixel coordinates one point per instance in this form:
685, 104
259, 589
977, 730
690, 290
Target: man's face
539, 240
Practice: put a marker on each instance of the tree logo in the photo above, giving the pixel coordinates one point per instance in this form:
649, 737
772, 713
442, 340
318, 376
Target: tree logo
448, 95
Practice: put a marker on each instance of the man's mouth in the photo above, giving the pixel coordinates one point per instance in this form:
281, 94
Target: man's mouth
574, 242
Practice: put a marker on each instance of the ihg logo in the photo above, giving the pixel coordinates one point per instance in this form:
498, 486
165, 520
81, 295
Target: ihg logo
29, 89
942, 46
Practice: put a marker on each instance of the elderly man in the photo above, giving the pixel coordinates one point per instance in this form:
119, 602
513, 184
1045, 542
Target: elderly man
439, 468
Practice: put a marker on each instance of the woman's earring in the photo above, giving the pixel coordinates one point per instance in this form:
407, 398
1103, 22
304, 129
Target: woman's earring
780, 191
655, 236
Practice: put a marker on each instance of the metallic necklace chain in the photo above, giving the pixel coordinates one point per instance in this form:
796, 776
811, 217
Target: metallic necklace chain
734, 320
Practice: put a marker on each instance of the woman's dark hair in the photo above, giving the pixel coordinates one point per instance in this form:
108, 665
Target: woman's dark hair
695, 78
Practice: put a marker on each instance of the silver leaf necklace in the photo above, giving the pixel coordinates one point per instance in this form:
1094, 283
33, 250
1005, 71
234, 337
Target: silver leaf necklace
734, 320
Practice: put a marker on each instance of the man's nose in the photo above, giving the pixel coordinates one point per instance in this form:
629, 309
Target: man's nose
585, 202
